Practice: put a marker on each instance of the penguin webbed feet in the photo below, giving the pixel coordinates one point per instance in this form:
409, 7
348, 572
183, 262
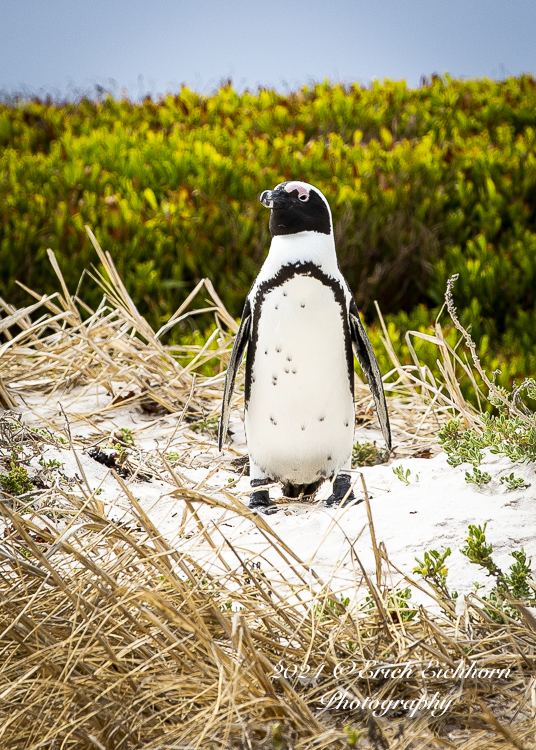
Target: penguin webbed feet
342, 495
303, 492
260, 500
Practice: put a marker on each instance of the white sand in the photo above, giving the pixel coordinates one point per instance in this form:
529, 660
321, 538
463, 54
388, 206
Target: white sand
432, 512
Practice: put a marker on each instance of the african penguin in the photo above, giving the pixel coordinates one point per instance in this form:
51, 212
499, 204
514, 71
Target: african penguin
299, 325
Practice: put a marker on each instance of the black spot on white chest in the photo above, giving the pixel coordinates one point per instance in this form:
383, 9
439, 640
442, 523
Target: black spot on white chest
300, 334
301, 340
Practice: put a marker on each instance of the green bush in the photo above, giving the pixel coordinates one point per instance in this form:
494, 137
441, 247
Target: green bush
502, 434
423, 184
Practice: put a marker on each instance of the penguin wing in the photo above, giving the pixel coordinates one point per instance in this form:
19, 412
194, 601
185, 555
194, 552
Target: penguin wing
237, 355
365, 355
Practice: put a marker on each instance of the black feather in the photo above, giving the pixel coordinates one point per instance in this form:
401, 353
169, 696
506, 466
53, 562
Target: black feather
237, 355
367, 359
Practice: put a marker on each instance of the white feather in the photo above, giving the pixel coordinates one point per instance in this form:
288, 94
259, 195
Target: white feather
300, 417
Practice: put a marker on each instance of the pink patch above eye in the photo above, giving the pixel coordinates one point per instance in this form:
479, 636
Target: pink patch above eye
302, 192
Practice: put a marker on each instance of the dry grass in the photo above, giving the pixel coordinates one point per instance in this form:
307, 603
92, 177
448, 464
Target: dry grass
112, 638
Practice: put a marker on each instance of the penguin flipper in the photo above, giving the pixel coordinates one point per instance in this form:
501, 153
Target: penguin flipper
237, 355
367, 359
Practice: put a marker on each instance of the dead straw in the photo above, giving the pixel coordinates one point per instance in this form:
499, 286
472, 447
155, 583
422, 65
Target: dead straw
113, 637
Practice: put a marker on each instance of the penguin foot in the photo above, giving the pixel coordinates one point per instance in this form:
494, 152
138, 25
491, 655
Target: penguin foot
260, 500
307, 491
341, 486
261, 482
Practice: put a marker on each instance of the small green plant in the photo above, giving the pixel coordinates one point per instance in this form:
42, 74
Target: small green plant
353, 735
476, 549
477, 477
510, 436
398, 605
401, 474
433, 568
512, 483
172, 457
277, 737
52, 463
514, 583
48, 434
126, 435
43, 433
368, 454
520, 571
17, 482
330, 607
460, 447
121, 452
503, 434
206, 425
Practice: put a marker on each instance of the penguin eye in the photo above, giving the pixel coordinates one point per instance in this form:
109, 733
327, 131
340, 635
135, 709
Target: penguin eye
303, 193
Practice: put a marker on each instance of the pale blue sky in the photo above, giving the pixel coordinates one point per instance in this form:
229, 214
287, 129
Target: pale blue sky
60, 44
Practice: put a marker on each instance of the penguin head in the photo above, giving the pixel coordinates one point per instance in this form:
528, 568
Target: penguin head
297, 207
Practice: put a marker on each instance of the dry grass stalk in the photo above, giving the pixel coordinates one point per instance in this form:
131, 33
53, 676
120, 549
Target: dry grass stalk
112, 637
513, 403
117, 636
114, 348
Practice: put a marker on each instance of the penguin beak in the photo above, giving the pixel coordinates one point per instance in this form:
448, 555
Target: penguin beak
273, 198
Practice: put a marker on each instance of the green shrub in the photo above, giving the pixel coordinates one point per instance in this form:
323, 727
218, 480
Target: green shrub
477, 477
503, 434
514, 585
368, 454
17, 481
423, 183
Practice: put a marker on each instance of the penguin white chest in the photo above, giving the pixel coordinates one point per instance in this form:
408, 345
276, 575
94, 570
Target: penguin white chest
300, 415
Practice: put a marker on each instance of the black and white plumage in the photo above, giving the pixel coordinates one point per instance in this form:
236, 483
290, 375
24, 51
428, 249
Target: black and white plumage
299, 326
